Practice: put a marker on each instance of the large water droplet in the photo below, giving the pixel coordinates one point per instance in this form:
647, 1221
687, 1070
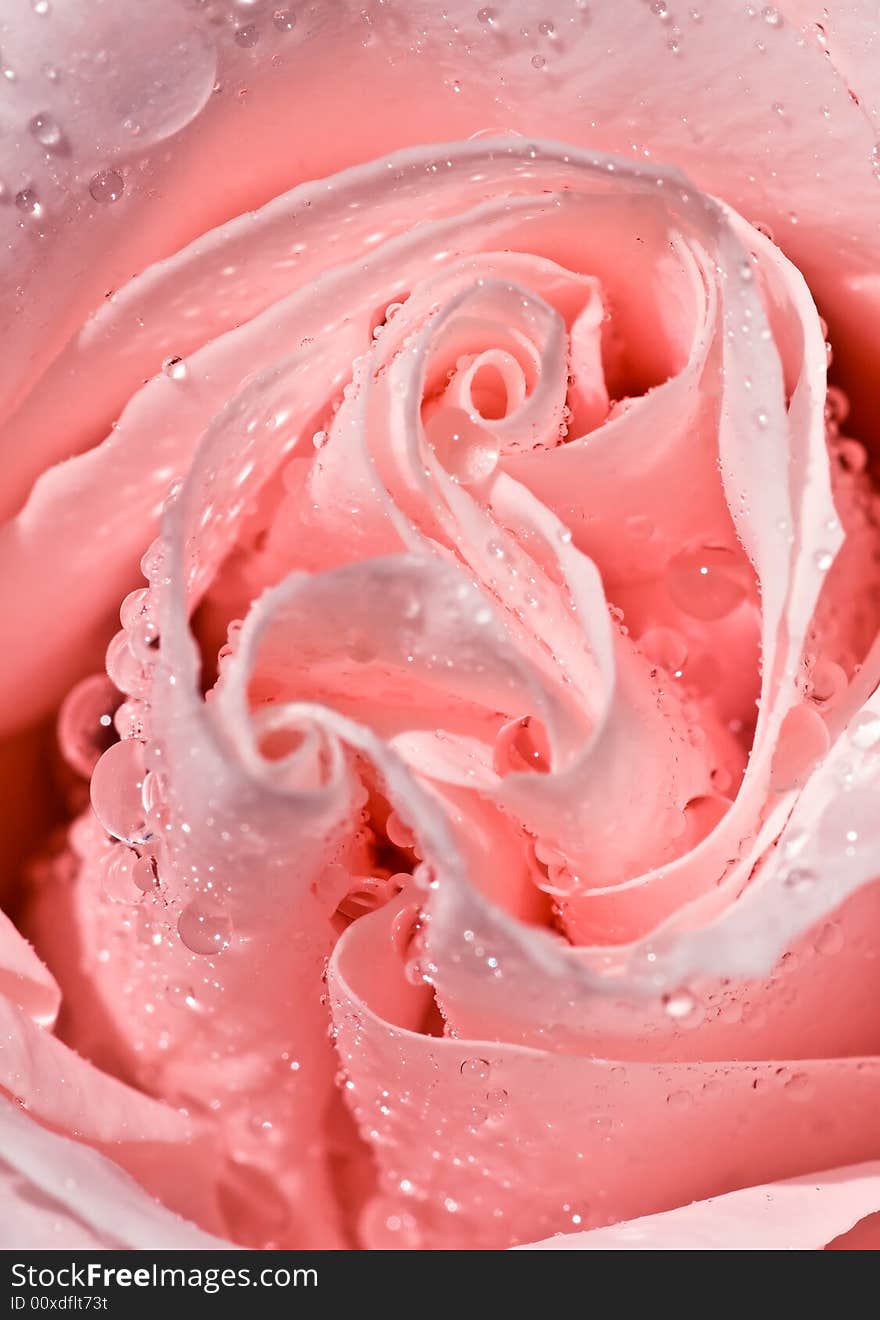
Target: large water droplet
204, 929
117, 881
679, 1005
826, 683
26, 200
144, 874
47, 131
468, 452
85, 723
476, 1070
522, 745
106, 186
248, 35
707, 582
174, 368
117, 783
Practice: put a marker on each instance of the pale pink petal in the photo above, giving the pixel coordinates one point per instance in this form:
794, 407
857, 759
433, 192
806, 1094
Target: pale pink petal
803, 1214
58, 1193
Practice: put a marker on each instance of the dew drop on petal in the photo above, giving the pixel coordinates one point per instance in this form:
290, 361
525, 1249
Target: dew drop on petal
106, 186
680, 1100
707, 582
799, 880
864, 731
117, 876
798, 1087
284, 20
678, 1005
247, 35
664, 646
522, 745
116, 790
144, 874
26, 200
174, 368
849, 824
46, 130
85, 723
829, 940
827, 682
204, 930
476, 1070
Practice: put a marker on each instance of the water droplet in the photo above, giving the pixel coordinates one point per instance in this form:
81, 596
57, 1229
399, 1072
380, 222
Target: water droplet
26, 200
798, 1087
468, 452
849, 824
106, 186
823, 559
707, 582
284, 20
476, 1070
771, 16
174, 368
248, 35
680, 1004
384, 1226
145, 875
799, 880
538, 61
85, 723
680, 1100
864, 731
46, 130
41, 7
829, 940
204, 930
116, 881
826, 683
319, 439
116, 791
522, 745
665, 647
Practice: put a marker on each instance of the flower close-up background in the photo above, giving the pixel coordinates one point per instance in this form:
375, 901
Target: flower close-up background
440, 584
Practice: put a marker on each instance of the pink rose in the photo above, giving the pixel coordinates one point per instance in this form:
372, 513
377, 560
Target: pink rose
472, 841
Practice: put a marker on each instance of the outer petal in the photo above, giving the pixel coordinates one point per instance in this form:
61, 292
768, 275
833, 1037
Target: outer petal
803, 1214
58, 1193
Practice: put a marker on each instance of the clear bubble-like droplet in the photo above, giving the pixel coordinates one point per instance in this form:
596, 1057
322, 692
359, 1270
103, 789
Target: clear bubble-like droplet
475, 1069
46, 130
203, 929
116, 787
106, 186
707, 582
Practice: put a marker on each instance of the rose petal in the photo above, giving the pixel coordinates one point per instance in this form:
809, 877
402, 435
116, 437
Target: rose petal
803, 1214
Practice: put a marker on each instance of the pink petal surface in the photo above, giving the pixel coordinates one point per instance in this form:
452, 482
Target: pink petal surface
804, 1214
59, 1194
432, 667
